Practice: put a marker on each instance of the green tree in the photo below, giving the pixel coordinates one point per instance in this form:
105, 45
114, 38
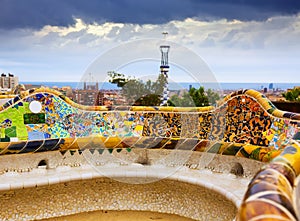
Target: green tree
148, 100
116, 78
212, 96
133, 90
137, 92
195, 97
199, 97
158, 86
292, 95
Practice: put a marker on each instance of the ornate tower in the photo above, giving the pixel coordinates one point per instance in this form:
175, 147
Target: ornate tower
164, 69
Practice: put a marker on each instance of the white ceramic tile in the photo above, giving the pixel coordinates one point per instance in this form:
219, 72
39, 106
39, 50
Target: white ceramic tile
16, 185
86, 175
4, 186
29, 183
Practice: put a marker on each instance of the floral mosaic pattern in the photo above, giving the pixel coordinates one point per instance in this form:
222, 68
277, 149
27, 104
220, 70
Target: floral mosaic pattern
280, 133
204, 125
162, 124
121, 124
190, 125
246, 121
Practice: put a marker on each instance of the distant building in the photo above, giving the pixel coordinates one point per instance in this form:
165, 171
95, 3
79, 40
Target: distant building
31, 86
65, 90
8, 82
90, 86
85, 97
108, 98
265, 90
271, 86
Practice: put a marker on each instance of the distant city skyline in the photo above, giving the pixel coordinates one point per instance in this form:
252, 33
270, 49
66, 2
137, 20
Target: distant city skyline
240, 41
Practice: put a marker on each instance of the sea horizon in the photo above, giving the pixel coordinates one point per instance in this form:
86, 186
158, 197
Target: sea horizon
179, 85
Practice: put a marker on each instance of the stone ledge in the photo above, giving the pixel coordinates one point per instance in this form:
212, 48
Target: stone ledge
232, 186
196, 194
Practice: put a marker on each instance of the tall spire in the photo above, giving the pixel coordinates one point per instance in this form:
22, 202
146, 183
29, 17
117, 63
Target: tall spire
164, 69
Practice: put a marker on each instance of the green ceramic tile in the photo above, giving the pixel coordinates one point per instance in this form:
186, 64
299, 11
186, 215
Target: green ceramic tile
34, 118
11, 131
22, 133
2, 132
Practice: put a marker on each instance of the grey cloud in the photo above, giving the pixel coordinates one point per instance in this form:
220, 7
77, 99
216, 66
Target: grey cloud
38, 13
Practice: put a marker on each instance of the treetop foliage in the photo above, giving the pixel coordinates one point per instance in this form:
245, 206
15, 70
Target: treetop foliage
292, 95
149, 93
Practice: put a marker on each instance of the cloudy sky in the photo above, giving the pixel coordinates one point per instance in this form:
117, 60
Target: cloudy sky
239, 40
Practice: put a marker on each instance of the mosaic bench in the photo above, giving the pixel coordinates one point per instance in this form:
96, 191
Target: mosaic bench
245, 124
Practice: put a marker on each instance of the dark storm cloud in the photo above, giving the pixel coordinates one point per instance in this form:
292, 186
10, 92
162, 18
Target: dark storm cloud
37, 13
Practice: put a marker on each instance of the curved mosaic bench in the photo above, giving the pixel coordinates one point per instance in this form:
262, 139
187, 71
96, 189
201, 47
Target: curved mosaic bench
270, 194
246, 124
